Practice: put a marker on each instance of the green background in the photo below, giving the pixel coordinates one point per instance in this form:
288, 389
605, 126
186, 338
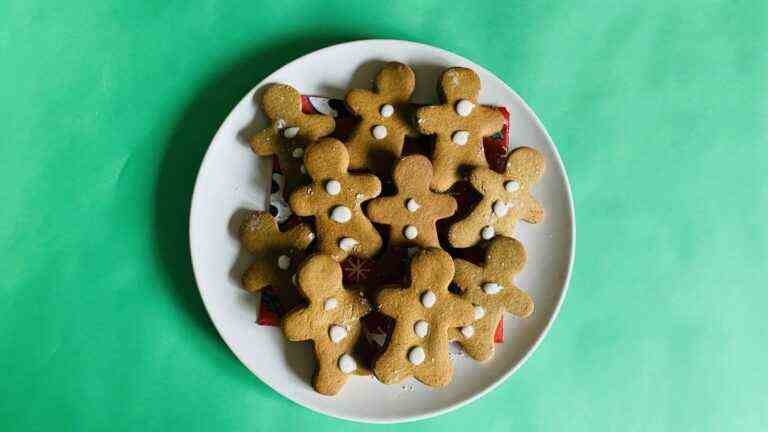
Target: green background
658, 109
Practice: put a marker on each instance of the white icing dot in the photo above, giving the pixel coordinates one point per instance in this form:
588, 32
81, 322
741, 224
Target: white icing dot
298, 152
302, 169
341, 214
280, 123
500, 209
311, 236
511, 186
330, 304
410, 232
283, 261
359, 196
294, 280
337, 333
464, 107
333, 187
468, 331
291, 132
421, 328
492, 288
488, 232
479, 312
379, 132
460, 137
416, 355
428, 299
347, 243
412, 205
347, 364
387, 110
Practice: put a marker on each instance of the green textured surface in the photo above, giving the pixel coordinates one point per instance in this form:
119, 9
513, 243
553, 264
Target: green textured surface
659, 111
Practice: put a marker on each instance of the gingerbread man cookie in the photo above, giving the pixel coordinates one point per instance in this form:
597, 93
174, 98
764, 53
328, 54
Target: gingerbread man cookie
385, 119
411, 214
289, 132
459, 124
423, 313
491, 290
331, 320
506, 198
274, 251
333, 198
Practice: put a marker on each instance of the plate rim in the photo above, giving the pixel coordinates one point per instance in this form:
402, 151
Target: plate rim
455, 405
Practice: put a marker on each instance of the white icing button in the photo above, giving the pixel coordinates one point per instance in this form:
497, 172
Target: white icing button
294, 280
337, 333
379, 132
341, 214
492, 288
311, 236
464, 107
500, 209
488, 232
302, 169
460, 137
417, 355
347, 243
330, 304
291, 132
387, 110
468, 331
280, 123
479, 312
284, 261
298, 152
421, 328
333, 187
511, 186
428, 299
360, 196
410, 232
347, 364
412, 205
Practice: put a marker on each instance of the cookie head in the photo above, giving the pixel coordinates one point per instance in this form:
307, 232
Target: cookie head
458, 84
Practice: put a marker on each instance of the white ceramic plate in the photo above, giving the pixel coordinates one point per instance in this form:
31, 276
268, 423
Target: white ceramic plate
232, 179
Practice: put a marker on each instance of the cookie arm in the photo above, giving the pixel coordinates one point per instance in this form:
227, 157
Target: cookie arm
367, 184
300, 236
430, 119
489, 119
534, 212
466, 274
518, 302
317, 126
301, 201
297, 325
265, 142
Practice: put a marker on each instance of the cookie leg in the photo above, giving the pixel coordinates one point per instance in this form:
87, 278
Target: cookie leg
329, 378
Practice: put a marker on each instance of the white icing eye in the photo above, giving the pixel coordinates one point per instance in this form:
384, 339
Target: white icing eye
330, 304
410, 232
387, 110
347, 364
298, 152
347, 243
492, 288
341, 214
283, 261
291, 132
511, 186
379, 132
412, 205
428, 299
488, 233
460, 137
416, 355
421, 328
468, 331
500, 209
280, 124
479, 312
333, 187
464, 107
337, 333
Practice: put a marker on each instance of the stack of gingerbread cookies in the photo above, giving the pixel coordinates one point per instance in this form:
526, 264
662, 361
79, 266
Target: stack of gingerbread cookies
368, 194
